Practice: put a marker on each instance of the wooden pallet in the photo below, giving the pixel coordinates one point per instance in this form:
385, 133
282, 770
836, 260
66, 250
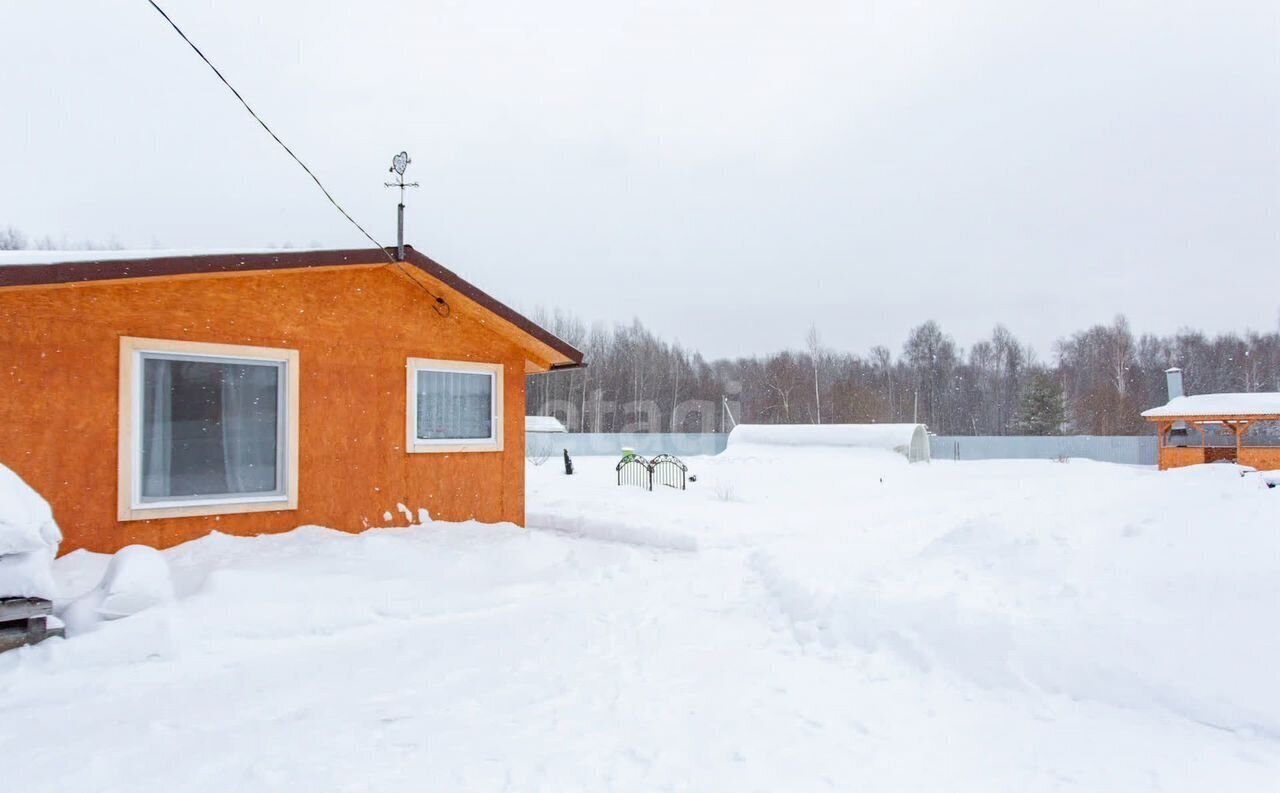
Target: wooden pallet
25, 621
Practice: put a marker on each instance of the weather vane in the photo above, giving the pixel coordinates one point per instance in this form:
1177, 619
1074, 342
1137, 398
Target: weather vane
399, 164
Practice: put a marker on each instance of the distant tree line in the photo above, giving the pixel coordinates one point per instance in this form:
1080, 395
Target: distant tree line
1098, 381
11, 239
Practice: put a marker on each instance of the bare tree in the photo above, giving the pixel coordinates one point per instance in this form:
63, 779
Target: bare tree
11, 239
783, 375
814, 344
1106, 377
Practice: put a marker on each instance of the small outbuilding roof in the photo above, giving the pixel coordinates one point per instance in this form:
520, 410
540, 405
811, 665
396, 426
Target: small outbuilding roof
46, 268
1256, 404
543, 424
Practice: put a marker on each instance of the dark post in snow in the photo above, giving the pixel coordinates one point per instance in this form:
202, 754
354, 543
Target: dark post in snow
399, 164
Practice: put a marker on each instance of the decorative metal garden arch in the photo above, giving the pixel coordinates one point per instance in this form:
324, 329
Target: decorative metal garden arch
666, 470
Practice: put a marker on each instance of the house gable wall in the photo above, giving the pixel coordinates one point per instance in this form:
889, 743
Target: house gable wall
353, 328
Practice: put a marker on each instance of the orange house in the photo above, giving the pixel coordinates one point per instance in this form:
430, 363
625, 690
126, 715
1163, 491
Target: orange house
154, 400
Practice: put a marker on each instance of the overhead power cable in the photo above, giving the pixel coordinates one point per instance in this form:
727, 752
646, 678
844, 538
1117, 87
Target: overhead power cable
273, 135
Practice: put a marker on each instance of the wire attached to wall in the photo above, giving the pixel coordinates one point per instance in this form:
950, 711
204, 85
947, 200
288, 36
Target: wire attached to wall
441, 307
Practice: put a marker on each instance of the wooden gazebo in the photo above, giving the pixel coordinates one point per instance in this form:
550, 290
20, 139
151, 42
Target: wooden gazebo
1236, 412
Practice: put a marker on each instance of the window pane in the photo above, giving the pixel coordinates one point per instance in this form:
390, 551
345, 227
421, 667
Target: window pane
455, 406
209, 429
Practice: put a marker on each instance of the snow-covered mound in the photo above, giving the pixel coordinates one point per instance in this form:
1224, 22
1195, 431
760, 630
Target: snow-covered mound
29, 539
909, 440
136, 579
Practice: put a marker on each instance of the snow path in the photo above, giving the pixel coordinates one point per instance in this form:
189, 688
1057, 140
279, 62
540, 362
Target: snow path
795, 646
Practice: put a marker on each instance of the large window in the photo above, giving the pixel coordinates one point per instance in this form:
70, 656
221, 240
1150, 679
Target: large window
454, 406
206, 429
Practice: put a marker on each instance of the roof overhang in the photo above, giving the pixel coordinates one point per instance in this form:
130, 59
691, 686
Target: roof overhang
1213, 419
544, 350
550, 352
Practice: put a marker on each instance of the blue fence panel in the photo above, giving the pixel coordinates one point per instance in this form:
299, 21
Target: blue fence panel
1127, 449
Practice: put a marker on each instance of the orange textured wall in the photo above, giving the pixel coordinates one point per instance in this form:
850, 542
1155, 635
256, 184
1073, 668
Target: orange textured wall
1178, 456
353, 327
1264, 458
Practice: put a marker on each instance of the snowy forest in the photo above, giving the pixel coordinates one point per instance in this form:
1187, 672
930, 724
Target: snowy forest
13, 239
1096, 382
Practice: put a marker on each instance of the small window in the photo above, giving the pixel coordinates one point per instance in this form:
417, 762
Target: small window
454, 406
206, 429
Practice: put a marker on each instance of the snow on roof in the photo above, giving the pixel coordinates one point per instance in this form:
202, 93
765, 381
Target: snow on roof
71, 257
909, 440
543, 424
1254, 404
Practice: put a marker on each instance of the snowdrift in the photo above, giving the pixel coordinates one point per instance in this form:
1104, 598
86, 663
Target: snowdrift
136, 579
909, 440
1085, 585
29, 539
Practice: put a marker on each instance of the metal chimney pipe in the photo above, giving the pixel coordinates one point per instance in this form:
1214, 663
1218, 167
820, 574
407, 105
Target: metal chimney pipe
1173, 377
1173, 380
400, 241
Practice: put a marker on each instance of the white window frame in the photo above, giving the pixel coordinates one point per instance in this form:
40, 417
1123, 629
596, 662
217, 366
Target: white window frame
416, 445
133, 351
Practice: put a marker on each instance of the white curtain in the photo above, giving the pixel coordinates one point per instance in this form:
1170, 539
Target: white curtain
157, 428
455, 405
248, 419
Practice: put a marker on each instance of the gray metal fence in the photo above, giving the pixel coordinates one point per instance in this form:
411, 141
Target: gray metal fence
1127, 449
682, 444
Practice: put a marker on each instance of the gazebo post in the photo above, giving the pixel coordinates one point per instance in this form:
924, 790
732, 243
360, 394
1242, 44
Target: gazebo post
1241, 428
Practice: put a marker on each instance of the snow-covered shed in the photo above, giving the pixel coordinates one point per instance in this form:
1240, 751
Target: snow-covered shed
909, 440
154, 397
543, 424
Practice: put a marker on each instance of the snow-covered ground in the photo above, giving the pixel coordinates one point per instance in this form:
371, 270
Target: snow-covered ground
799, 619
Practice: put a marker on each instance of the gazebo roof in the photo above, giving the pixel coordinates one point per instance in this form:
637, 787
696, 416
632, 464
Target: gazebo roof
1256, 405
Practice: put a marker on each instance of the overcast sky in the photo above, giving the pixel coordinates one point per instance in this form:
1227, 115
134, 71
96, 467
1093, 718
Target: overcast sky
727, 171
